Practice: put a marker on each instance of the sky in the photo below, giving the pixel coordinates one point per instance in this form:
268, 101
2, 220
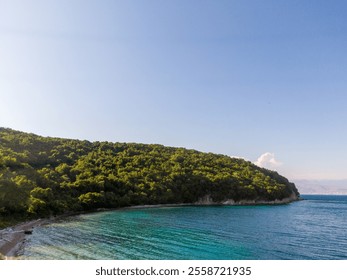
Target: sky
262, 80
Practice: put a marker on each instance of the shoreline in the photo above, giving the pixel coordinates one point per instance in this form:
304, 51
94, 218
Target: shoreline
12, 239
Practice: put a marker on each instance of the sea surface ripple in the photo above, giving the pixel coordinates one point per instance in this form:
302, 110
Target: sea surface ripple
314, 228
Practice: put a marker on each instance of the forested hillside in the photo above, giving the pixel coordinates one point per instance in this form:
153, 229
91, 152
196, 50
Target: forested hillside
42, 176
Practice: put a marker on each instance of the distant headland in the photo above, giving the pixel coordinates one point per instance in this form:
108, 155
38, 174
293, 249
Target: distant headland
45, 176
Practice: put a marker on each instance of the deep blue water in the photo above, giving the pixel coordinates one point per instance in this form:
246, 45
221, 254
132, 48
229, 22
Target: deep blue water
315, 228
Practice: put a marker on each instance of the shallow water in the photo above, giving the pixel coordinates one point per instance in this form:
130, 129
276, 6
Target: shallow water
315, 228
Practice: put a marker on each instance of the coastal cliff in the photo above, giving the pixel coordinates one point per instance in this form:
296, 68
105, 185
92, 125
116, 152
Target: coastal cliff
45, 176
207, 200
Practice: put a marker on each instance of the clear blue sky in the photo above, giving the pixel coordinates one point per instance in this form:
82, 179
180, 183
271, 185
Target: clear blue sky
242, 78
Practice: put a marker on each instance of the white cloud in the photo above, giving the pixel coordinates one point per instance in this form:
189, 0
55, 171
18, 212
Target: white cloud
268, 160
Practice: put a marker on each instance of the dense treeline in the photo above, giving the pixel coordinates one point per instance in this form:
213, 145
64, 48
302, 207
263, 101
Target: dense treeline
41, 176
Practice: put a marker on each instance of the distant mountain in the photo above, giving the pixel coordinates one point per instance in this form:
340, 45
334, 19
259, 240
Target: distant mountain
322, 186
41, 176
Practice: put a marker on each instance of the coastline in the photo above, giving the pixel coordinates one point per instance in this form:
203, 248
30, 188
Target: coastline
12, 239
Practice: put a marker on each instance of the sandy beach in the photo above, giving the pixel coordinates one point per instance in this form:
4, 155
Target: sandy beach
13, 238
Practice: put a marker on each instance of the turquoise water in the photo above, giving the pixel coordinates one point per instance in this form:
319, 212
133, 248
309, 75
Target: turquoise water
315, 228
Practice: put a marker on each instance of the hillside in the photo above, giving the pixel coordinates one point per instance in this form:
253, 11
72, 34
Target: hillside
43, 176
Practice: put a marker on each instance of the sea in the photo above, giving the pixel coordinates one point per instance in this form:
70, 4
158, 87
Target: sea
314, 228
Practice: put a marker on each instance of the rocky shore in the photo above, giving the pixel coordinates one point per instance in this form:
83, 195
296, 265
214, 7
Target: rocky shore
13, 238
